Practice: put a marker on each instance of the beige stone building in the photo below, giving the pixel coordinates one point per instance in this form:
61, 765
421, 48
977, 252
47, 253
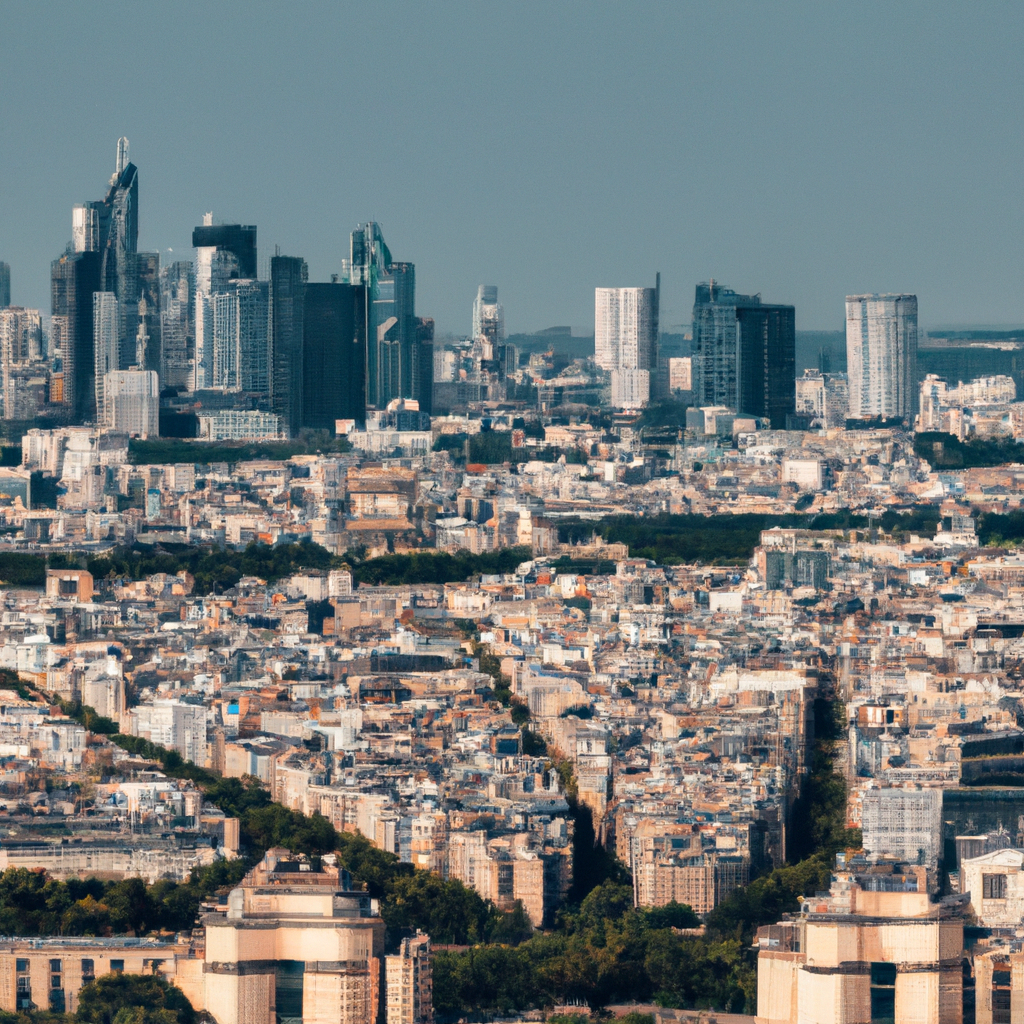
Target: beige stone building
409, 983
874, 948
48, 974
998, 987
294, 944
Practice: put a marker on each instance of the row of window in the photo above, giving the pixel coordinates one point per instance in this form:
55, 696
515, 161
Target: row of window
57, 1001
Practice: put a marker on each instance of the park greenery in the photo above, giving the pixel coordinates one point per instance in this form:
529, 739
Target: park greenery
171, 450
946, 451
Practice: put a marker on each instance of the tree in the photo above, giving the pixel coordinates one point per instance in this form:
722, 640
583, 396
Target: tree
101, 1001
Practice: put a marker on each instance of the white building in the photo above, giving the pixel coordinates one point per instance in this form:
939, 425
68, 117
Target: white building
132, 402
631, 389
881, 355
488, 315
626, 338
106, 342
240, 425
680, 373
176, 726
21, 341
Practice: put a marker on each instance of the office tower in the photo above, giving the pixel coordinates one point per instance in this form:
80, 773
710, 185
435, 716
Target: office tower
5, 285
423, 390
334, 351
241, 344
488, 315
144, 352
626, 341
85, 227
224, 252
21, 336
881, 355
132, 402
390, 318
744, 354
74, 278
105, 344
288, 277
177, 324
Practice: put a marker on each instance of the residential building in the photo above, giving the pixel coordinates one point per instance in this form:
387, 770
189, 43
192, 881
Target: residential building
626, 341
881, 356
240, 425
903, 823
21, 342
172, 724
408, 976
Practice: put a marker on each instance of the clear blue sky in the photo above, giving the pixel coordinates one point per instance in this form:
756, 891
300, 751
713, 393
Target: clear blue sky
803, 150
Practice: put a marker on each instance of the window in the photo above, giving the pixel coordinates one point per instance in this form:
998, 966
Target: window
24, 984
993, 887
22, 966
883, 993
57, 1000
88, 970
288, 991
55, 981
55, 967
117, 966
1001, 994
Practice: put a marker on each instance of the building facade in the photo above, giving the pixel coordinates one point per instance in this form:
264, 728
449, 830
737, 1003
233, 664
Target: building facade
626, 341
744, 354
288, 277
881, 356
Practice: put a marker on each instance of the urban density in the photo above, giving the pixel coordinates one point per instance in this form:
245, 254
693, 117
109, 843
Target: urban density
539, 675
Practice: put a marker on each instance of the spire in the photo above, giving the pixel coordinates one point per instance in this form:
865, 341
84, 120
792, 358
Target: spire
122, 155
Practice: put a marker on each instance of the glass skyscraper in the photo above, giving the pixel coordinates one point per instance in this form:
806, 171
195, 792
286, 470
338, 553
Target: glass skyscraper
288, 277
744, 354
334, 350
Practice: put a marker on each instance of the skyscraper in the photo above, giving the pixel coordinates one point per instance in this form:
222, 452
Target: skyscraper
21, 339
744, 354
110, 227
423, 391
626, 341
390, 318
224, 252
288, 277
334, 349
488, 315
881, 355
74, 278
177, 324
105, 344
5, 285
132, 402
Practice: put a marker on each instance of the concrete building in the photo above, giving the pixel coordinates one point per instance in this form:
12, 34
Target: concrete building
69, 585
409, 990
874, 948
171, 724
294, 945
881, 356
131, 402
106, 343
995, 883
240, 425
626, 341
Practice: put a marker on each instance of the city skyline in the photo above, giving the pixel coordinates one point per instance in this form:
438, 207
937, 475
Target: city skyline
468, 179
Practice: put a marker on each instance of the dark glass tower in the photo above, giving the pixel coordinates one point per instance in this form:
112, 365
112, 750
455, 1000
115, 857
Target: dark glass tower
394, 317
288, 276
74, 278
744, 354
334, 346
237, 239
5, 285
423, 389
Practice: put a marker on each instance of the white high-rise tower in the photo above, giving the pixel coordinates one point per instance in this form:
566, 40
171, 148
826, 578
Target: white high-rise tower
881, 355
626, 341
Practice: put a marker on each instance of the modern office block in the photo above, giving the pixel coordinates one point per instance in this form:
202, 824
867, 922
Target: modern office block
237, 239
626, 341
105, 344
132, 402
288, 278
177, 324
744, 354
74, 278
334, 347
881, 356
423, 390
488, 315
5, 285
